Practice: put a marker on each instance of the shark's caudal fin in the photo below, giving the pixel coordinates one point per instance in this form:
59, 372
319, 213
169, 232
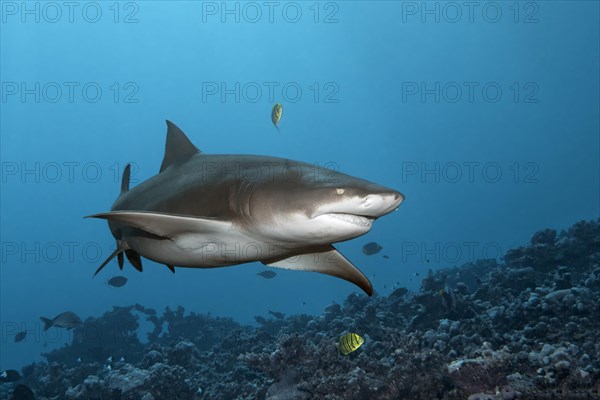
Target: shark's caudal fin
326, 260
178, 149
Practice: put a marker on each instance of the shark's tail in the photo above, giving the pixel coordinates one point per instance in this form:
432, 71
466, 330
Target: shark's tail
121, 247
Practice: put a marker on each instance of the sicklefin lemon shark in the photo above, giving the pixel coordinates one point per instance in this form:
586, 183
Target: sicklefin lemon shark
210, 210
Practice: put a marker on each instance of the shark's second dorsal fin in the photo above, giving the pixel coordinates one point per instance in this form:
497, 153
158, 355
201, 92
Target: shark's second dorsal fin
178, 148
125, 179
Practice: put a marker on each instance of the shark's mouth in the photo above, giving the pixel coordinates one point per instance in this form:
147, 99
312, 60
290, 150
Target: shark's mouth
358, 220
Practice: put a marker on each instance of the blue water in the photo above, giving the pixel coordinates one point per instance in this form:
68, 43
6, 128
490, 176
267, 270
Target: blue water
487, 121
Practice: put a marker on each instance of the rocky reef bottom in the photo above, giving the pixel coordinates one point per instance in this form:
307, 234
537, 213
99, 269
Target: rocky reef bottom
527, 327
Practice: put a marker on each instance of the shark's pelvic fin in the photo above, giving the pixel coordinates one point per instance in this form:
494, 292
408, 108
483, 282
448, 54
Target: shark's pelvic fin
120, 259
171, 268
135, 259
125, 179
178, 149
183, 230
326, 260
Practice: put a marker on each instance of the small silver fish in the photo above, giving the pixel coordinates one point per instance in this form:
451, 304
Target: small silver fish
267, 274
117, 281
277, 314
371, 248
19, 337
67, 320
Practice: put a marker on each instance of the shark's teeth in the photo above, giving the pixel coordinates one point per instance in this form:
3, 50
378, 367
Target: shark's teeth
353, 219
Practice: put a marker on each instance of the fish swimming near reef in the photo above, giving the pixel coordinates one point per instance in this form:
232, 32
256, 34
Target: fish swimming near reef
19, 337
448, 298
276, 114
350, 342
277, 314
371, 248
267, 274
67, 320
117, 281
196, 213
10, 375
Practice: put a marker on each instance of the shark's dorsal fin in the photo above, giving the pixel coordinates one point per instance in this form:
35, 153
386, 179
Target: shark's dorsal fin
178, 149
125, 179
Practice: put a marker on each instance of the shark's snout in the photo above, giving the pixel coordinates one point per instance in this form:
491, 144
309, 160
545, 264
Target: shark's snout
396, 199
372, 206
375, 205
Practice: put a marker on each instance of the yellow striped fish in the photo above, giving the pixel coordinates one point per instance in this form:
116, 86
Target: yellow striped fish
276, 114
350, 342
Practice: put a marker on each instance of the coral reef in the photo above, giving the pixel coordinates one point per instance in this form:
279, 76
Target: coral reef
525, 328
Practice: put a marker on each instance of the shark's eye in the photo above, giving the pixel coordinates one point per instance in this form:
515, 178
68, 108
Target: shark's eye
339, 191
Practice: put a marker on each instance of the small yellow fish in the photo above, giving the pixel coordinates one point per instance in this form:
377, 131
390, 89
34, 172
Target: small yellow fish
350, 342
276, 114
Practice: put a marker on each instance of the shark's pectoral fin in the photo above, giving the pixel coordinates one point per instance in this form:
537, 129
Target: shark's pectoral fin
171, 268
326, 260
182, 229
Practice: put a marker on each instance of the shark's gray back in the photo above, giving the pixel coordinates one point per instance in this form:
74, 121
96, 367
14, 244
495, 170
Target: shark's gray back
215, 186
